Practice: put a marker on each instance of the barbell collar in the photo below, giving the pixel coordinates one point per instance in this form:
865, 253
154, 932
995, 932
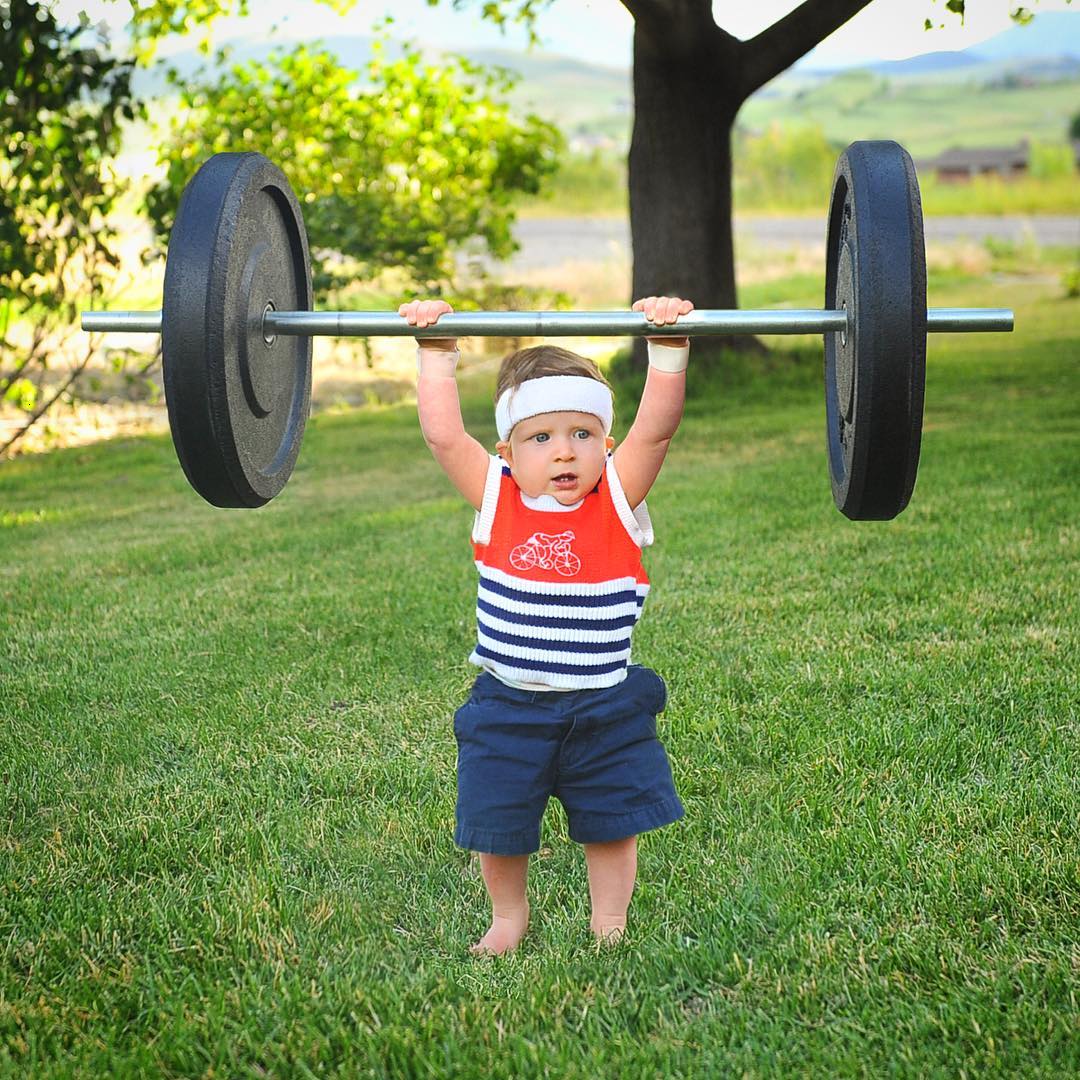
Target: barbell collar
557, 323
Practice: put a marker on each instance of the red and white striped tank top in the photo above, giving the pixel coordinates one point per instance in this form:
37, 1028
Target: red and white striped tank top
560, 589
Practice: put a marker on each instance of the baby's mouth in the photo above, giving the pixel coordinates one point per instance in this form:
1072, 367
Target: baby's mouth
564, 480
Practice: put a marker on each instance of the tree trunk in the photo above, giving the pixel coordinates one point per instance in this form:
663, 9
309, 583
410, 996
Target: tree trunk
685, 101
690, 80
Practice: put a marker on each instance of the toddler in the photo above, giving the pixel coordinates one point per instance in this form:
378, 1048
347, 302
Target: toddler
558, 708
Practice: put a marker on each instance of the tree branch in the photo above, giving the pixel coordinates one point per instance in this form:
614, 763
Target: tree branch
775, 49
43, 409
10, 376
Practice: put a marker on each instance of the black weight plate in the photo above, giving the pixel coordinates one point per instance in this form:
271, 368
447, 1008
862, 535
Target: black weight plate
238, 402
875, 374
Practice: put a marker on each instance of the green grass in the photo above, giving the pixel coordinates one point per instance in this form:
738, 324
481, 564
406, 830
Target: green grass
227, 763
992, 195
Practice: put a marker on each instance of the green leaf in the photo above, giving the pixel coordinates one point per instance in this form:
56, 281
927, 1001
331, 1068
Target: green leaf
22, 393
396, 166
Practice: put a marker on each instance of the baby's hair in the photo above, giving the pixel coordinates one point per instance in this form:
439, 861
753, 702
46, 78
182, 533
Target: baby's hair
539, 360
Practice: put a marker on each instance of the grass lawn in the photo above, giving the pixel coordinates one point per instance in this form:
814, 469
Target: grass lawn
227, 759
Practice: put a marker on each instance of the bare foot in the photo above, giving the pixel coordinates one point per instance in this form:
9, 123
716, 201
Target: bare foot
609, 931
505, 932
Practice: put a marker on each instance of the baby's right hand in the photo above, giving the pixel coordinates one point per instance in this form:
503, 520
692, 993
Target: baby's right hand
426, 313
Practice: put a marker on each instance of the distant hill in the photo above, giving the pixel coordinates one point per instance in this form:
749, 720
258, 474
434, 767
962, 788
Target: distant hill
581, 98
353, 51
1025, 82
926, 116
929, 64
577, 96
1050, 33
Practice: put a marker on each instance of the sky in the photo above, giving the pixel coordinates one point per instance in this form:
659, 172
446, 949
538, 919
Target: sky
600, 31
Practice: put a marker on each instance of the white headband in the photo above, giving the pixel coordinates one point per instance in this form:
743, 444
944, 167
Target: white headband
553, 393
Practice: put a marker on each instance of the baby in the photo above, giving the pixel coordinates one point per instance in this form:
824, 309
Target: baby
558, 708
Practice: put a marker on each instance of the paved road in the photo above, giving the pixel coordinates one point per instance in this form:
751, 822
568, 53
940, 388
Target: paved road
552, 241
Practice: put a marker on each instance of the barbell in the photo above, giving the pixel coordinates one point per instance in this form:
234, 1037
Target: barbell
236, 327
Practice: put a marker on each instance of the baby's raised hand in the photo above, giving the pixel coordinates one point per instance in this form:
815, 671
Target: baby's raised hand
426, 313
660, 310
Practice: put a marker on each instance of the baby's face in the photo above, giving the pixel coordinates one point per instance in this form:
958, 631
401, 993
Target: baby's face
567, 445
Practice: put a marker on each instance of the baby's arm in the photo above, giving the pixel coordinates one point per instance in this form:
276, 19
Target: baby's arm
641, 454
463, 459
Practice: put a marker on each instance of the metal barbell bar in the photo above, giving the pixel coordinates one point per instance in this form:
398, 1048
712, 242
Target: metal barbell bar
237, 329
558, 323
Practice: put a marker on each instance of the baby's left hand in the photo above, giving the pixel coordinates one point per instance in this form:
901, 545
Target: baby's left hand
665, 309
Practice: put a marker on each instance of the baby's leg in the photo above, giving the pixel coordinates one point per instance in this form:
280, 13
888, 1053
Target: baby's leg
505, 877
612, 873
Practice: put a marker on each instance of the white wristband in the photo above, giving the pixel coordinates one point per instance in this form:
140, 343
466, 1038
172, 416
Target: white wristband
436, 362
674, 358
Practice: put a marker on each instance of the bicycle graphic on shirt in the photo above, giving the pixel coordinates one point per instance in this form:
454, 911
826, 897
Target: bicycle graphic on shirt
548, 551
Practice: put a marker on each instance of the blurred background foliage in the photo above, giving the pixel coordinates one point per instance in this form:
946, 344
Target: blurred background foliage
398, 166
408, 162
63, 100
398, 173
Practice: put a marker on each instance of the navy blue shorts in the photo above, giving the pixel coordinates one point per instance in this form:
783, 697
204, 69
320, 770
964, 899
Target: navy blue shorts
596, 751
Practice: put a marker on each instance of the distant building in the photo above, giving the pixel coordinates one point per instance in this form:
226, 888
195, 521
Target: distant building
959, 163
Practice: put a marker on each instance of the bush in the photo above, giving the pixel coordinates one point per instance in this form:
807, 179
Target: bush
789, 167
1052, 160
398, 173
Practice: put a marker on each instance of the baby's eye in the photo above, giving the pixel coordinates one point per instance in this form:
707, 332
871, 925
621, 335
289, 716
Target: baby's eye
583, 431
541, 436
